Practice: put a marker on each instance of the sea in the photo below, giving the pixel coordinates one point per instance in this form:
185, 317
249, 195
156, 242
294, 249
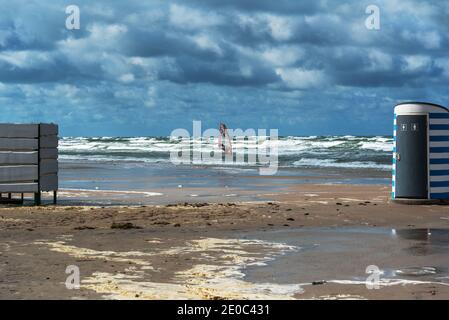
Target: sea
349, 152
142, 168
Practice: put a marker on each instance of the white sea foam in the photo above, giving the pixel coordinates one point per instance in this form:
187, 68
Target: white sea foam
143, 193
377, 146
330, 163
312, 151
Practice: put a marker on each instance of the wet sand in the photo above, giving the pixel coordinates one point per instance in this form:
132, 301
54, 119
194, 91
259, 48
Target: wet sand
311, 241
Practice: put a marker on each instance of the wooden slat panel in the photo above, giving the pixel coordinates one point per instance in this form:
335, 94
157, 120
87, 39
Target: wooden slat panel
51, 153
49, 142
10, 157
48, 166
18, 130
49, 129
49, 182
18, 173
18, 144
19, 187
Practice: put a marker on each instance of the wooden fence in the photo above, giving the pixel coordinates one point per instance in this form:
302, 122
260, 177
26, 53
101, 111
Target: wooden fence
29, 159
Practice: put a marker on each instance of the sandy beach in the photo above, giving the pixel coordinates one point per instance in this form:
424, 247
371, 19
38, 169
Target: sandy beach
309, 242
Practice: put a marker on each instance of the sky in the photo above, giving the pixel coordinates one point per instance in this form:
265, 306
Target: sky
147, 67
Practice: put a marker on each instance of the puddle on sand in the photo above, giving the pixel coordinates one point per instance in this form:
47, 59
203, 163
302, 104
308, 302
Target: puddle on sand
341, 255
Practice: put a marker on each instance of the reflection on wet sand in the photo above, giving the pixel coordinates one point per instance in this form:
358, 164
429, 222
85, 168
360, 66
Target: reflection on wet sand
339, 257
426, 241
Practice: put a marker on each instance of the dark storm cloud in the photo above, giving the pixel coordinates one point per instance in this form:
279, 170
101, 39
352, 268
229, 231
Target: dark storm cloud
279, 6
204, 38
224, 73
170, 57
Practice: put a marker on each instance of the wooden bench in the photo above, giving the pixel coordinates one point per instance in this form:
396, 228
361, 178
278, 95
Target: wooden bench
29, 159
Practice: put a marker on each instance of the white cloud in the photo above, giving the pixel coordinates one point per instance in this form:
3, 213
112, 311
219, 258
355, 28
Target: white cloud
150, 100
416, 63
24, 59
283, 55
204, 42
127, 78
189, 18
298, 78
101, 37
273, 56
30, 91
50, 92
319, 20
65, 90
408, 8
282, 28
430, 40
379, 61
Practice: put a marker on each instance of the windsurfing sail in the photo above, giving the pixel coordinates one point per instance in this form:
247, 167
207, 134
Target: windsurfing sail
224, 140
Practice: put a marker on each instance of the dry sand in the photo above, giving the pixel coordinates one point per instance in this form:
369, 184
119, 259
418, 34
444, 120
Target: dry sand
193, 251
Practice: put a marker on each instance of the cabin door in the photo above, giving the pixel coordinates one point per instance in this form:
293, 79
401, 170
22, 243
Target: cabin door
411, 157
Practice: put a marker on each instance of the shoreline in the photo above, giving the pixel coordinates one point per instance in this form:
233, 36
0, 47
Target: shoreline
192, 184
261, 192
318, 205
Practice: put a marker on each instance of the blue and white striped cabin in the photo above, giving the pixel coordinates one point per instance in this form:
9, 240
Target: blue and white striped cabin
408, 117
